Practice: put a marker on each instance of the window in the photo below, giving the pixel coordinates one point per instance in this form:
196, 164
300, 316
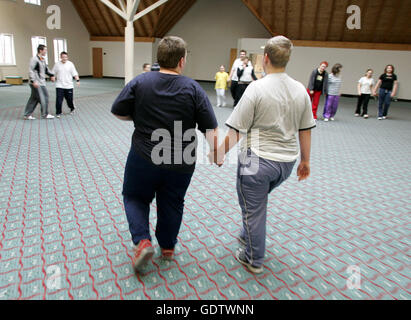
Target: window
60, 45
36, 2
35, 42
7, 55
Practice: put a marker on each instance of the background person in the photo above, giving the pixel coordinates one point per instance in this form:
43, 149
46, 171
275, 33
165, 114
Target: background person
388, 86
318, 85
365, 88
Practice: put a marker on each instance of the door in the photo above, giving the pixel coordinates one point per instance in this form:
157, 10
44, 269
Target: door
97, 62
233, 57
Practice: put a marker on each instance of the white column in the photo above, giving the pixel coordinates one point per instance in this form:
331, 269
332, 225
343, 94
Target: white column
129, 52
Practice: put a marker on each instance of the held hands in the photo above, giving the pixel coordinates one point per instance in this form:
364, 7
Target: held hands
36, 85
216, 157
303, 171
53, 79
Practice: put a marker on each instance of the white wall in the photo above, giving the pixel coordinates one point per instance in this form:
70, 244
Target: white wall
211, 28
26, 20
355, 62
113, 56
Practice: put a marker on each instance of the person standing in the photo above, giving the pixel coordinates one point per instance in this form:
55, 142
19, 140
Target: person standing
365, 88
334, 93
37, 80
279, 108
65, 71
234, 77
246, 75
318, 85
388, 85
221, 78
165, 107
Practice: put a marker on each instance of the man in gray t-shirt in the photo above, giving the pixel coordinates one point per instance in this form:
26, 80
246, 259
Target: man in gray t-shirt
271, 113
37, 80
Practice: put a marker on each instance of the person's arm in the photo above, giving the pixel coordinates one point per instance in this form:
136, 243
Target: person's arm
311, 82
32, 72
50, 74
359, 88
230, 141
123, 107
253, 75
75, 75
377, 87
394, 91
304, 170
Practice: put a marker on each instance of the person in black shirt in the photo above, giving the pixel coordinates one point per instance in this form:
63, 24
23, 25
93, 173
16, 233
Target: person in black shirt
388, 85
165, 107
318, 85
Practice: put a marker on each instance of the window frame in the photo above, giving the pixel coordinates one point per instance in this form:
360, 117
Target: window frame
3, 47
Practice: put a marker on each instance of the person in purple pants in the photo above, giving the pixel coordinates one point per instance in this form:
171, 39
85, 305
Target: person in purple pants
334, 92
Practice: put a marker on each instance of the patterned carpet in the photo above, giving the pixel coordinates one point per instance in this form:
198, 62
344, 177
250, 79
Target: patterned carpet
64, 235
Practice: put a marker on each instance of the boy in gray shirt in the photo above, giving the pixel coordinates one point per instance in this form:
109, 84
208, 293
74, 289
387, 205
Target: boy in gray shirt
271, 112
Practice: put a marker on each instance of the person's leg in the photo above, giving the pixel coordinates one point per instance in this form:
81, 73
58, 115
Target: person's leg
240, 92
33, 101
233, 89
44, 100
365, 105
68, 95
316, 102
359, 104
140, 181
59, 100
327, 107
223, 97
218, 94
381, 100
170, 207
334, 106
387, 103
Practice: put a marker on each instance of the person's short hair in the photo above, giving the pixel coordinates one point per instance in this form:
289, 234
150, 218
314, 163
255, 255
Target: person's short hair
336, 68
389, 65
241, 51
278, 50
146, 65
40, 48
368, 70
324, 62
170, 51
64, 52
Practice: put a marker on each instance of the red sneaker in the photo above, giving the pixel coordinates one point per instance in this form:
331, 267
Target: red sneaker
167, 254
143, 253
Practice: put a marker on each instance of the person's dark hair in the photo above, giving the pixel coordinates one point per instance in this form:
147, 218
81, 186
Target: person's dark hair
389, 65
170, 51
40, 48
369, 70
64, 52
243, 51
336, 69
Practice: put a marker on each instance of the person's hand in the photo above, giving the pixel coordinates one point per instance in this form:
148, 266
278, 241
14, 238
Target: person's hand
303, 171
36, 85
216, 157
53, 79
392, 95
374, 93
311, 92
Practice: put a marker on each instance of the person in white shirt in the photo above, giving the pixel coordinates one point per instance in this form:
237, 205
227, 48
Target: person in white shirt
365, 87
64, 71
246, 75
273, 112
234, 77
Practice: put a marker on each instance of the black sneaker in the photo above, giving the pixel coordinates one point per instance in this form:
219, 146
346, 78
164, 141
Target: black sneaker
240, 256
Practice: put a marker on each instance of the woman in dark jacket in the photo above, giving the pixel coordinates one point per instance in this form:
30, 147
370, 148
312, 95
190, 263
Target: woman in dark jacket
318, 85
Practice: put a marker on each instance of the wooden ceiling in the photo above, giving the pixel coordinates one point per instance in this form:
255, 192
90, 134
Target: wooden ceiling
382, 21
101, 21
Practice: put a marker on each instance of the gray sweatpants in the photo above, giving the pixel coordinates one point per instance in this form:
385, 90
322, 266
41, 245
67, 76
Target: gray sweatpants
255, 182
38, 95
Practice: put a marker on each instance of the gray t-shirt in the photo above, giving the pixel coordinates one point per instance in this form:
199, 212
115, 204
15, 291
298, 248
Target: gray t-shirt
334, 85
272, 111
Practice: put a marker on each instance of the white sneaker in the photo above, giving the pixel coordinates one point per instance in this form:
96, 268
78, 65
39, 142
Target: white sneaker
58, 116
357, 114
365, 116
384, 118
326, 119
29, 118
49, 116
379, 118
332, 119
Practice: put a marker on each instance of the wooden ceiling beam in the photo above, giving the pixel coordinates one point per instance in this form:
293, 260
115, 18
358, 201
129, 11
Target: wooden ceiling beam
103, 10
257, 15
317, 7
301, 19
82, 15
330, 20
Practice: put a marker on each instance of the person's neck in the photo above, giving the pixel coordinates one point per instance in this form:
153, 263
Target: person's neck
273, 70
176, 71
